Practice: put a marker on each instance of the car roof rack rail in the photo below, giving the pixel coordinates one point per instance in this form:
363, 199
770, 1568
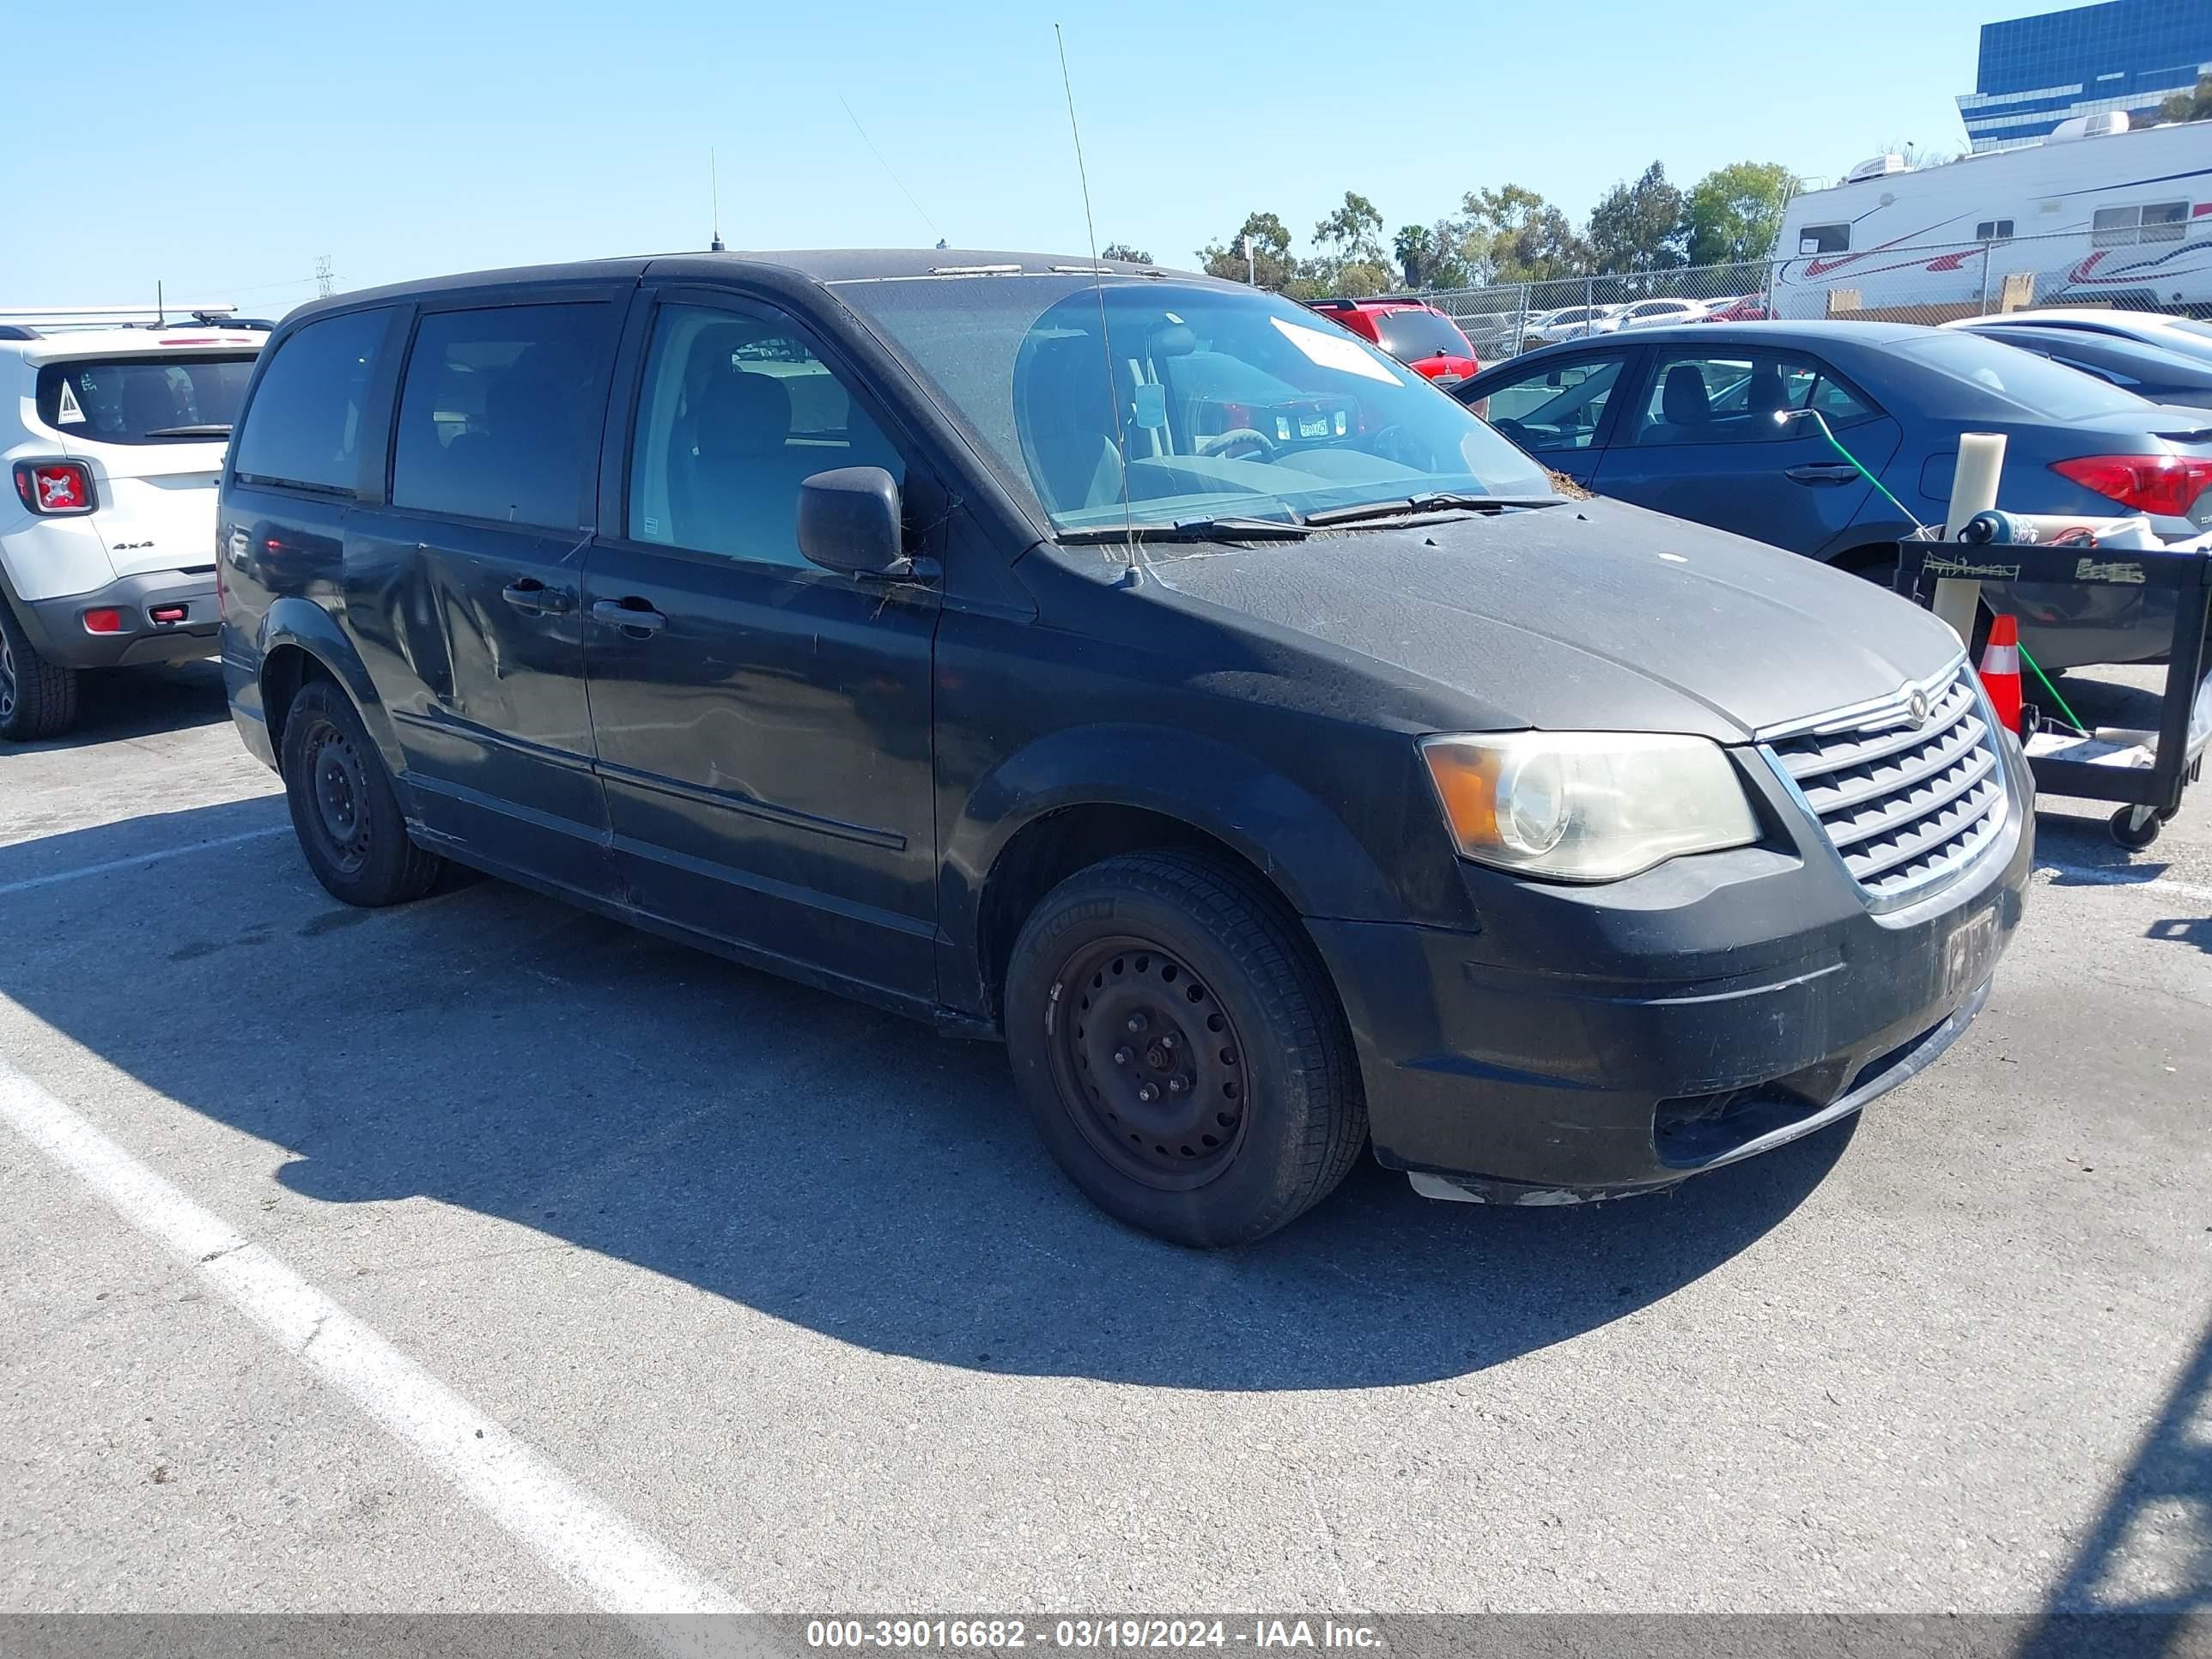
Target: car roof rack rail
55, 319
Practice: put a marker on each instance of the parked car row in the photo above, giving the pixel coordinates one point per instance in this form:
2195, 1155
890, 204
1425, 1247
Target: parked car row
1708, 423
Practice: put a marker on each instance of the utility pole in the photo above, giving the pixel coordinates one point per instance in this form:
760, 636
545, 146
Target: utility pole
1251, 265
324, 277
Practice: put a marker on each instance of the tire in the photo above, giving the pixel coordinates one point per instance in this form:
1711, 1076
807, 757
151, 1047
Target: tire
38, 699
1164, 968
344, 810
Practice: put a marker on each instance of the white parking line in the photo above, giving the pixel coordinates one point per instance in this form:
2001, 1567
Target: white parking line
587, 1545
141, 859
2156, 887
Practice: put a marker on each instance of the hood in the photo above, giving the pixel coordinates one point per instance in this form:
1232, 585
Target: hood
1588, 616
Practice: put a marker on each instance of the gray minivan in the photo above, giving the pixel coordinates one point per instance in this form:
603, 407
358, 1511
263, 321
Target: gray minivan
1133, 668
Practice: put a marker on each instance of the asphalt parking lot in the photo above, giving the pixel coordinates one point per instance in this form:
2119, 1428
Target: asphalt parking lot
779, 1298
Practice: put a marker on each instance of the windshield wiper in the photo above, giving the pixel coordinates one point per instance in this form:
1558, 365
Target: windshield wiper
1443, 501
189, 432
1192, 529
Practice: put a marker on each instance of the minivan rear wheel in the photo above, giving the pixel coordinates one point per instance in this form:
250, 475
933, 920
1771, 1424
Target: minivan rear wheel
1180, 1049
344, 810
38, 698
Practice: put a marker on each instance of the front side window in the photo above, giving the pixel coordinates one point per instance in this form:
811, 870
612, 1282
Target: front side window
304, 426
1733, 397
1825, 239
144, 400
499, 415
736, 412
1182, 401
1558, 408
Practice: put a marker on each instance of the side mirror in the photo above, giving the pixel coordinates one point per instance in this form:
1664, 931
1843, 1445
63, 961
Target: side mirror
849, 522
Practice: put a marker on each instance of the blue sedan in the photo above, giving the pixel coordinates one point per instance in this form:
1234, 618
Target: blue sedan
1685, 420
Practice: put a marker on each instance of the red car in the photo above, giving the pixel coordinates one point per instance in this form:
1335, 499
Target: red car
1417, 335
1752, 308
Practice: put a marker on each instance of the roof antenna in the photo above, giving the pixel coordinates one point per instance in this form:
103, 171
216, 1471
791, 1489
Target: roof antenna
714, 195
1133, 574
888, 173
161, 310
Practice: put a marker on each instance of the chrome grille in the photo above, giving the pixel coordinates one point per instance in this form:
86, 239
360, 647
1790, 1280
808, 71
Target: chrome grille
1906, 803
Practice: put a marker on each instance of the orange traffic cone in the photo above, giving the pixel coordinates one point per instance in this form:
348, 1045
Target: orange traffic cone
2001, 670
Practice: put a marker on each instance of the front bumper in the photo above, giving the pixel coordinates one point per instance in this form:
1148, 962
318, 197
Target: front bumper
57, 626
1599, 1041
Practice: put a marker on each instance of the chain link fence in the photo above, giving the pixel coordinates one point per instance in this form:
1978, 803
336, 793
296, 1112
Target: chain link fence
2139, 268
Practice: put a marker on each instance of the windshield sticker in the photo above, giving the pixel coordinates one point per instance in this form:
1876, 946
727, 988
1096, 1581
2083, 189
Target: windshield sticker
2120, 570
72, 412
1338, 350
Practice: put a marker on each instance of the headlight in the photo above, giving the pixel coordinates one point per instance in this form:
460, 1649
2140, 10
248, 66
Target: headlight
1587, 805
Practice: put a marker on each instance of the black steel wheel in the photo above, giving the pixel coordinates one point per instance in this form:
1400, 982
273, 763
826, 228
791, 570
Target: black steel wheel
344, 810
1180, 1049
1149, 1062
38, 699
339, 786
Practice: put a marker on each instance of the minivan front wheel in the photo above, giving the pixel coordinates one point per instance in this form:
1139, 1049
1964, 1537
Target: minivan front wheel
344, 810
1180, 1049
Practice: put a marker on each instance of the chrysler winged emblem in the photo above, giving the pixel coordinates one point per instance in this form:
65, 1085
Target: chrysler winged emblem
1918, 707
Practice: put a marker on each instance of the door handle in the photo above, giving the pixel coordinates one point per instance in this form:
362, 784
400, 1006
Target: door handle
633, 614
1822, 472
533, 599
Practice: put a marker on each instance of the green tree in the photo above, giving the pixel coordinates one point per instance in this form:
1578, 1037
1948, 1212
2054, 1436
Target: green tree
1733, 213
1352, 231
2195, 106
1637, 227
1415, 249
1512, 234
1272, 265
1123, 251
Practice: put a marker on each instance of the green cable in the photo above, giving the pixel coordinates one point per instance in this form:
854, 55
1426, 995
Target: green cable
1821, 421
2072, 719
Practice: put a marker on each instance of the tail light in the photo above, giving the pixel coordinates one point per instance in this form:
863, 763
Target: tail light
2165, 485
103, 621
54, 488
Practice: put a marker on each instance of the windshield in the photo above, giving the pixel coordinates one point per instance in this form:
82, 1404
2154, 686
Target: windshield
170, 399
1410, 336
1198, 402
2020, 377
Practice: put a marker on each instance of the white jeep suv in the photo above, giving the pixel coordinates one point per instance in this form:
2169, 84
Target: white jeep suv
113, 443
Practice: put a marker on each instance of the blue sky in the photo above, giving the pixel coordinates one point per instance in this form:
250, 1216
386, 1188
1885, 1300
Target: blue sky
405, 140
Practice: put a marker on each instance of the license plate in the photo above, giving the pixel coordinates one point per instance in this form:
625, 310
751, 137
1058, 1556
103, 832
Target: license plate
1967, 953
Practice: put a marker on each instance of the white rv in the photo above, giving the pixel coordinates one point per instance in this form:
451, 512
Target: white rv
2092, 214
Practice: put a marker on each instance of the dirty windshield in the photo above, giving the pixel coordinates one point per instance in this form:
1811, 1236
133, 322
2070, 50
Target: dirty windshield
1196, 403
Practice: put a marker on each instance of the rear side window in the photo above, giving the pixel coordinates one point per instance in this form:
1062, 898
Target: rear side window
2019, 379
1728, 398
144, 400
305, 425
499, 417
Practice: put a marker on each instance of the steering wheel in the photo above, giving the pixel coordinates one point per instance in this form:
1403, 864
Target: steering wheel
1393, 444
1219, 442
1514, 430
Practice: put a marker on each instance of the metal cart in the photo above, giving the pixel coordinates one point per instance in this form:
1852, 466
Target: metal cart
2146, 777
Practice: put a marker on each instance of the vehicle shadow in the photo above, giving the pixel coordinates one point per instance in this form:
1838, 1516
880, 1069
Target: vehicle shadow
2144, 1571
119, 703
833, 1166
